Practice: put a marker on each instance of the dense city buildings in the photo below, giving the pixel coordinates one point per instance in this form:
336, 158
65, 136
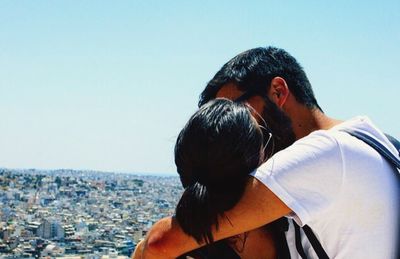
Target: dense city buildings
79, 214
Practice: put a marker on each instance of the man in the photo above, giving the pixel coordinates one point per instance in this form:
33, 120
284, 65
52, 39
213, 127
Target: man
322, 177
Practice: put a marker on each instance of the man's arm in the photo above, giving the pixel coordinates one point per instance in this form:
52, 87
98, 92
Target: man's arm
257, 207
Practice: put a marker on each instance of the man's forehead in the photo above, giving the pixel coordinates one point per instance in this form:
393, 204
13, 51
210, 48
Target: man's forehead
230, 91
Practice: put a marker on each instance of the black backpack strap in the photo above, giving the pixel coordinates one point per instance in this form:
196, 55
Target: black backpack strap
315, 243
394, 141
377, 146
297, 239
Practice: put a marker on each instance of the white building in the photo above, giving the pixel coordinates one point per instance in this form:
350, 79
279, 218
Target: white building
50, 229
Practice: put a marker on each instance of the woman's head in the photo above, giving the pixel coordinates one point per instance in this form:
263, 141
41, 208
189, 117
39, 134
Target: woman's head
214, 154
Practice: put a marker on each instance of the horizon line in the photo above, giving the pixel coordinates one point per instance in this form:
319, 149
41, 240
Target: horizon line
93, 171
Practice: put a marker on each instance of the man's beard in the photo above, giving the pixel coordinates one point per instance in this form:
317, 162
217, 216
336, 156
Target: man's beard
280, 125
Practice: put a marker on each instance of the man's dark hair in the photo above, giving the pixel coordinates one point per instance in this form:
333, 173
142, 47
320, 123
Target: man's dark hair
214, 154
254, 69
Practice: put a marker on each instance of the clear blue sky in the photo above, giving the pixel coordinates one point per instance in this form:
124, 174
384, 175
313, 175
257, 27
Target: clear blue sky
107, 85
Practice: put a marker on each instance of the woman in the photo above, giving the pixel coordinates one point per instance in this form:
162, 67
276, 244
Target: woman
215, 152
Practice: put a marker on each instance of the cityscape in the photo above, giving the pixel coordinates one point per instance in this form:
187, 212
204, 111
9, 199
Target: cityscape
80, 214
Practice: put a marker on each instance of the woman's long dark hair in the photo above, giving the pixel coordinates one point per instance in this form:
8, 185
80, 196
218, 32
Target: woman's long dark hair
215, 152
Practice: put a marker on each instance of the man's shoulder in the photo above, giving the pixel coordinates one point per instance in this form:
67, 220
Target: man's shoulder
316, 142
365, 126
338, 135
359, 122
327, 143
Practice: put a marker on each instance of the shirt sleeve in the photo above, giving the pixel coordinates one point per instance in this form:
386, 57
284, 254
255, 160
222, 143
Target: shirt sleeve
307, 176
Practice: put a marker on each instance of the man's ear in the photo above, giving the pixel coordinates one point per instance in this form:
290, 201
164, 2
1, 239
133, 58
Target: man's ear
278, 91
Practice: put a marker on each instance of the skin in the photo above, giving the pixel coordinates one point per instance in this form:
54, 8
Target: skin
259, 205
256, 244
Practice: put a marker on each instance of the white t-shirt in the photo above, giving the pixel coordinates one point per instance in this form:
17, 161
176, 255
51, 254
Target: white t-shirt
342, 188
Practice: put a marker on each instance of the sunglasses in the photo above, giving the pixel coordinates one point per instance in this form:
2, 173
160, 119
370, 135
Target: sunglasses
266, 131
246, 96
